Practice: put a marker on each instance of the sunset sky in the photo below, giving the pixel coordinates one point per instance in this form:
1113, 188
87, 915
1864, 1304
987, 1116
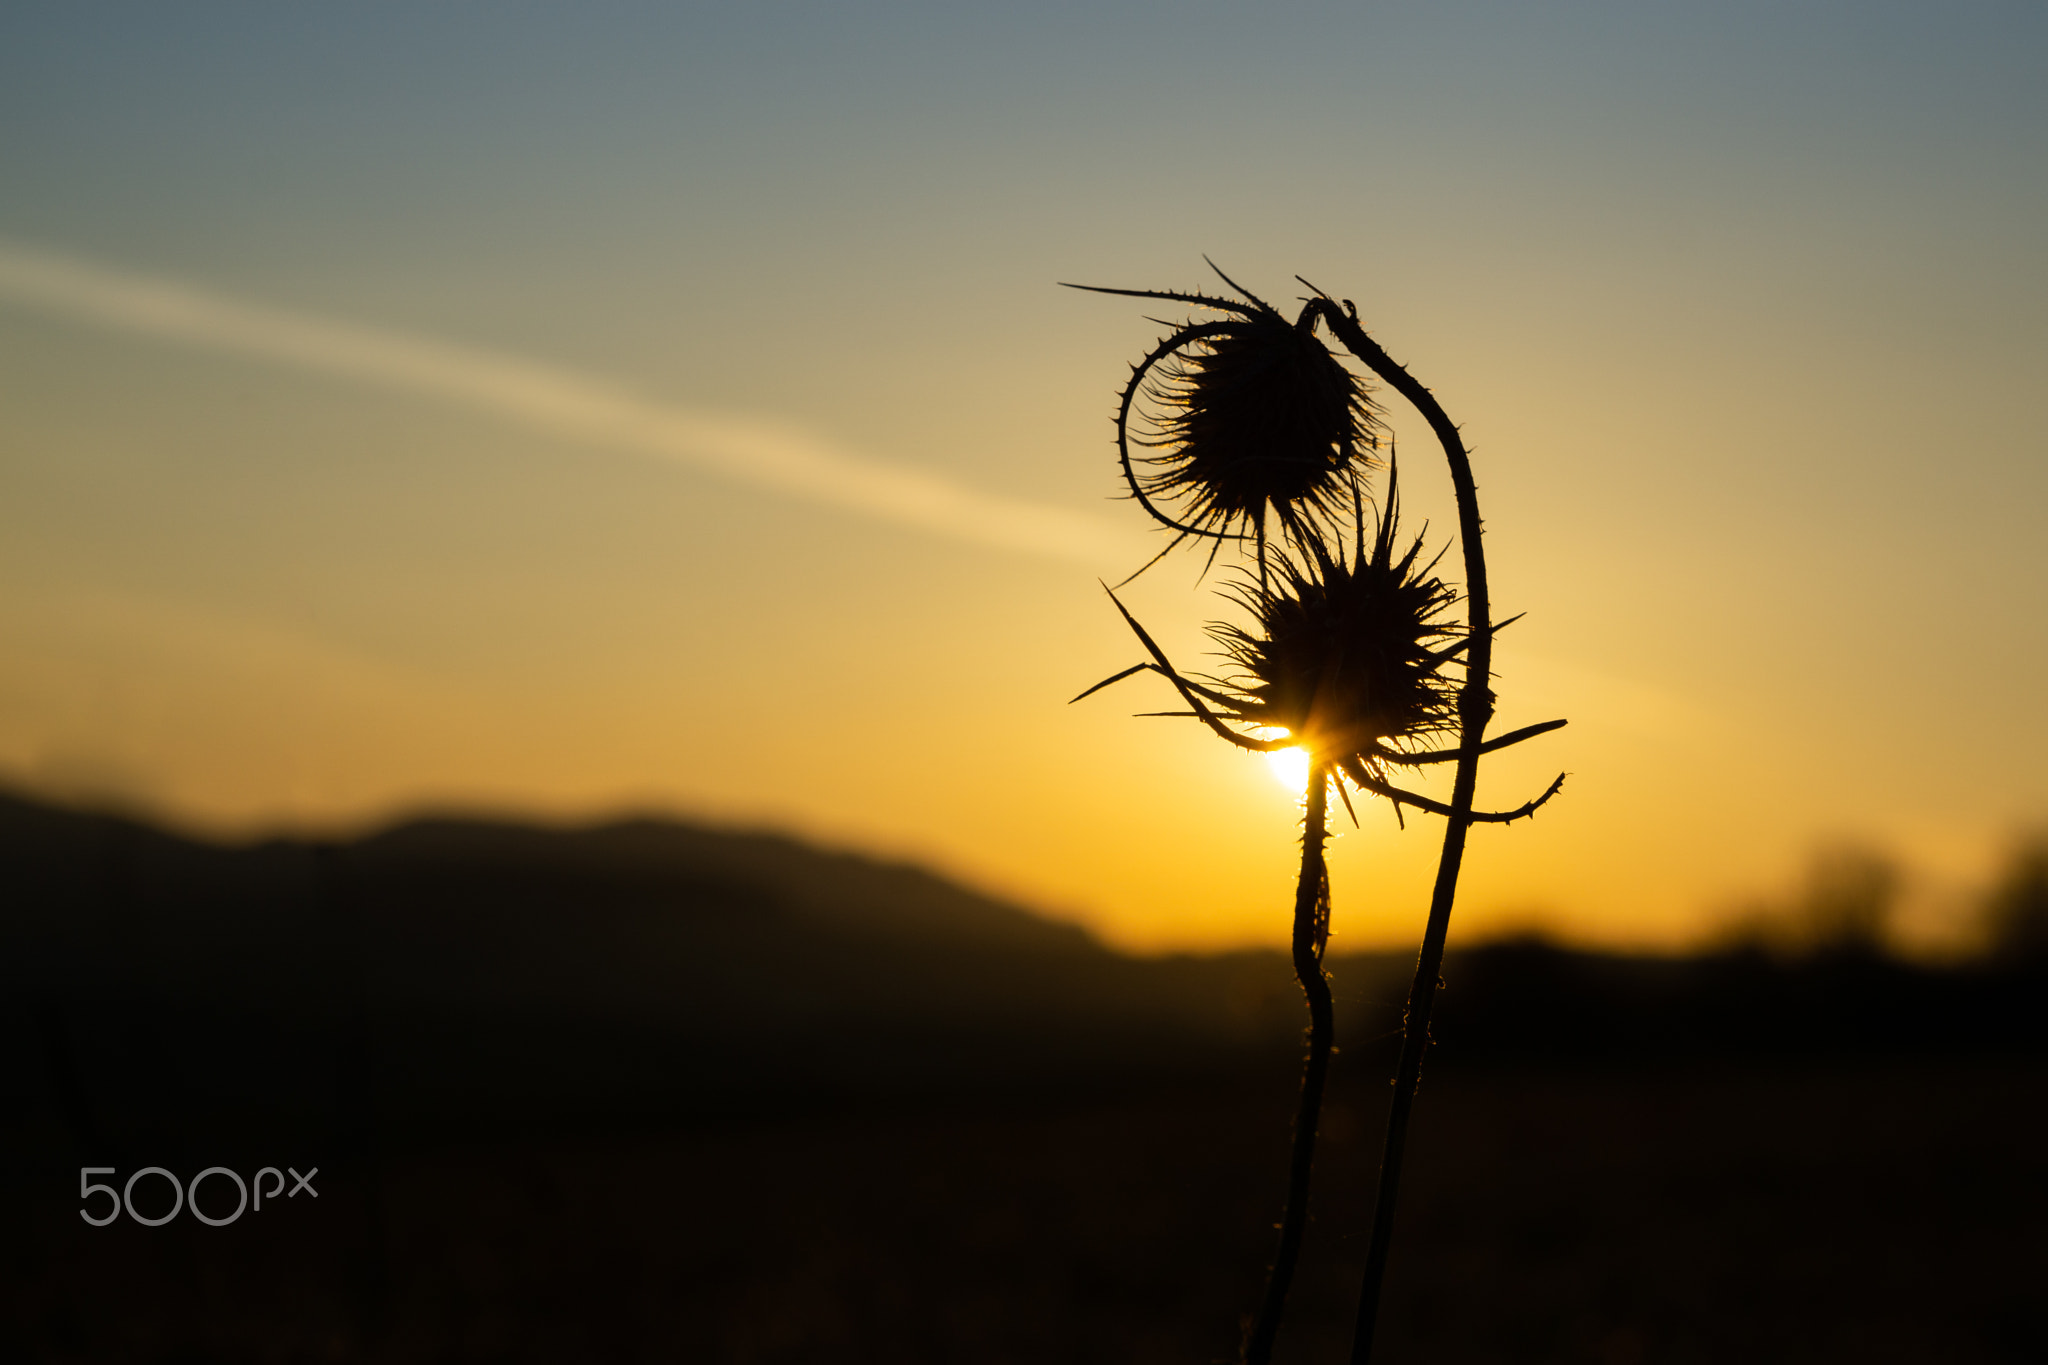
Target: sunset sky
564, 410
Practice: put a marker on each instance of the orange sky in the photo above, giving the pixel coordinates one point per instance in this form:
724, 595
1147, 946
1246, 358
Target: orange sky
671, 414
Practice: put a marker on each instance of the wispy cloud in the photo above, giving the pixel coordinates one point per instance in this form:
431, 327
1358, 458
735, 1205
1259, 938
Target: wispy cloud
577, 407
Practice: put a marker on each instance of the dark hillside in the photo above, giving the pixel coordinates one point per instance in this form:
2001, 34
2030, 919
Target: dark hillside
467, 972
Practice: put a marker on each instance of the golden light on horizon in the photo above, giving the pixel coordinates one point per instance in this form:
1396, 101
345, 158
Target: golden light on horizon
1290, 768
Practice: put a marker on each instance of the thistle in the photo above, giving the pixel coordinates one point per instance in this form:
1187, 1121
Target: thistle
1248, 415
1346, 656
1346, 659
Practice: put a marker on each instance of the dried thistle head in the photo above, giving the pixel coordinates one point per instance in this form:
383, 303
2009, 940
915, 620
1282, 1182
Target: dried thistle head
1348, 657
1246, 414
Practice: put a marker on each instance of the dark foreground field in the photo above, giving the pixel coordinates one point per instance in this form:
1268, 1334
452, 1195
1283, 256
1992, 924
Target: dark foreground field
654, 1094
1881, 1213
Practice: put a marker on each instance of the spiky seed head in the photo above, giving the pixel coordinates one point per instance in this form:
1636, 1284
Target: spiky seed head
1348, 657
1246, 415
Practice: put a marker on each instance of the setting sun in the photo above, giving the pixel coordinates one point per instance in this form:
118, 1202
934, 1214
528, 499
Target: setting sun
1290, 768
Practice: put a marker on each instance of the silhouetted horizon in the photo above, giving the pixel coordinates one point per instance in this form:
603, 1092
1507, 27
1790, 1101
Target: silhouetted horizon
482, 972
516, 1054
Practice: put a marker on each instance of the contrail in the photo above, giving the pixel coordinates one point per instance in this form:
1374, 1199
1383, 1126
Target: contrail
575, 406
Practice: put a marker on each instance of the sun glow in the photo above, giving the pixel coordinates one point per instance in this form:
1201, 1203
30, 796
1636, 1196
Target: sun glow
1290, 768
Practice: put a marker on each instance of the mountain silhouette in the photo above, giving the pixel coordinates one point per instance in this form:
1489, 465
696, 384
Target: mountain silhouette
480, 972
478, 975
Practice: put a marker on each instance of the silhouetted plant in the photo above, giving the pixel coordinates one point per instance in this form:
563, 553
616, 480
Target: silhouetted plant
1248, 414
1346, 654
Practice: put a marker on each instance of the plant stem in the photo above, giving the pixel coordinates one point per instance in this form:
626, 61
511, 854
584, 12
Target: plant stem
1475, 710
1408, 1074
1311, 924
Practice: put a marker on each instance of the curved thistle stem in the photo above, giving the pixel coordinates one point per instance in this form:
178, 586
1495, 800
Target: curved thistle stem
1311, 933
1211, 693
1475, 710
1186, 690
1477, 817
